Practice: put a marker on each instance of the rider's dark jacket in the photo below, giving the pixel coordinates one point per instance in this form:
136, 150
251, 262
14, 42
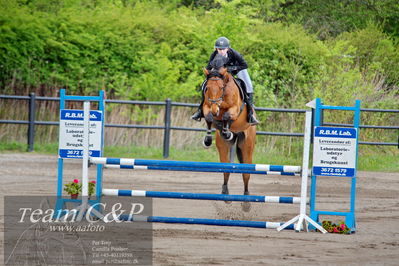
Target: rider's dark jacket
235, 61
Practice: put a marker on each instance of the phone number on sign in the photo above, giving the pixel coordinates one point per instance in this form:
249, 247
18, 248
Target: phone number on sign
333, 170
77, 152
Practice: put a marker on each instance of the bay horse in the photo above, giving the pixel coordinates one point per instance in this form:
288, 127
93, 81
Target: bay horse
225, 110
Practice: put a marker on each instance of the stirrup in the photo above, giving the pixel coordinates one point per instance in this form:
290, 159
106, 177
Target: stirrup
253, 121
197, 116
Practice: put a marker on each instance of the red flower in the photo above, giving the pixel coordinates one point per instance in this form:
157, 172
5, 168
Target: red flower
335, 230
93, 182
75, 181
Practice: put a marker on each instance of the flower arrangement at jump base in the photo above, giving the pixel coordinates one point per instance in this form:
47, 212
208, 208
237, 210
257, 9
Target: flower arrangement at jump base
73, 188
339, 228
92, 186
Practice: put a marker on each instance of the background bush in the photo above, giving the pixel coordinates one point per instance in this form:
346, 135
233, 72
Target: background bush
151, 50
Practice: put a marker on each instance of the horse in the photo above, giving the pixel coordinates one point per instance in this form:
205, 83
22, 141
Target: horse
225, 110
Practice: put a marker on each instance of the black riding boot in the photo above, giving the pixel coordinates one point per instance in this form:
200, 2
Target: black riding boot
199, 114
250, 104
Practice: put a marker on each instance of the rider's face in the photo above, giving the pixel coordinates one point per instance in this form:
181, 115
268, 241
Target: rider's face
222, 52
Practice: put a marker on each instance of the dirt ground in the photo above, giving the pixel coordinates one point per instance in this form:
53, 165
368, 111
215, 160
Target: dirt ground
376, 241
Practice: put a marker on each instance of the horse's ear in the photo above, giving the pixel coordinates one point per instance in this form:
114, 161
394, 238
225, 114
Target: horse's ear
206, 72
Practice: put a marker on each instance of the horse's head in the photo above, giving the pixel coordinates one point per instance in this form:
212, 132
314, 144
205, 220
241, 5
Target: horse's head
217, 79
215, 87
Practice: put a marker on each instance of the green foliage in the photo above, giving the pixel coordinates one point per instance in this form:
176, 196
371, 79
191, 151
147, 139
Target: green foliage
378, 159
329, 18
374, 51
285, 61
73, 187
340, 228
152, 50
13, 146
92, 187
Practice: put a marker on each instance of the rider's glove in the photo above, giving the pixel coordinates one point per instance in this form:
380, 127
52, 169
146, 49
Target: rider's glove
231, 69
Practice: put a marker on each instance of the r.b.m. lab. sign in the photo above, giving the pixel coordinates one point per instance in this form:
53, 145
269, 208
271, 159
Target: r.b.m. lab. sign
334, 151
71, 134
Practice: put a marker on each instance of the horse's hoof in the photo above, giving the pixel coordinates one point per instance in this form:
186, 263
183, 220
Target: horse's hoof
206, 146
207, 142
227, 135
230, 136
246, 206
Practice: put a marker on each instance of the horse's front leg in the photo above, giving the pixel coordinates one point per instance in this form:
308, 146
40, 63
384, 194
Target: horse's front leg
207, 142
226, 133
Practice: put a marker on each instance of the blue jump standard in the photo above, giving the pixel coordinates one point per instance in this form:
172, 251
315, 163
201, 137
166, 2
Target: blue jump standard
200, 196
219, 222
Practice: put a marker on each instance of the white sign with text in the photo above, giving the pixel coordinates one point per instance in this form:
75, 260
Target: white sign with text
71, 134
334, 151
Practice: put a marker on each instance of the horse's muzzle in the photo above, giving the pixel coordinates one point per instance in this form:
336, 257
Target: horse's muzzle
215, 110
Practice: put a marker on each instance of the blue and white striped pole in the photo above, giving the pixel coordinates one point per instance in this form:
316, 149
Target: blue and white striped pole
196, 165
193, 169
200, 196
218, 222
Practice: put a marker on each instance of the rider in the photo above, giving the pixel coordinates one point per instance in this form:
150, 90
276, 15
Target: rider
236, 65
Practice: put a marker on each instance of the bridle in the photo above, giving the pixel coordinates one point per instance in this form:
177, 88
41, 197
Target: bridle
215, 77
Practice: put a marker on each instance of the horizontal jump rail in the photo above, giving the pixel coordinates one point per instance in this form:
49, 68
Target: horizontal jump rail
218, 222
200, 196
187, 169
201, 165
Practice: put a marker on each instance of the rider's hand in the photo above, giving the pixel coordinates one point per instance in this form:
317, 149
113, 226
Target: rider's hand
231, 69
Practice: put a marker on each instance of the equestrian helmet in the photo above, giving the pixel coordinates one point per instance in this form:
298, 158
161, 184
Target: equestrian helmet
222, 43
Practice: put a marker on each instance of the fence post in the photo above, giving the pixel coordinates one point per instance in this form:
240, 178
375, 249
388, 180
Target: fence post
166, 136
31, 125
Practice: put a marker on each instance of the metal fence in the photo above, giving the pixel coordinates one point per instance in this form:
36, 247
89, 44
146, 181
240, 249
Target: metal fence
167, 127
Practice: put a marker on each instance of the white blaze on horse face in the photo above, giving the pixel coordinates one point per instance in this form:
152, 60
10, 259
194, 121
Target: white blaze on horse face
215, 95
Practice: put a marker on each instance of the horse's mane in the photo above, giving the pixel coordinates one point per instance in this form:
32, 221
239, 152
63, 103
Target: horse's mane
218, 62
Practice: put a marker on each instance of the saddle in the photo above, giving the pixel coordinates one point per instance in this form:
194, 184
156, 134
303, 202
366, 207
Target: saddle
241, 87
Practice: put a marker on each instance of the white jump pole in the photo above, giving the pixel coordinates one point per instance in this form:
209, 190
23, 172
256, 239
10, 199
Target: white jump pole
85, 163
84, 207
302, 217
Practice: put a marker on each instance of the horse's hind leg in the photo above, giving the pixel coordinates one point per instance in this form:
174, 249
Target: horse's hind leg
245, 149
223, 149
246, 206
